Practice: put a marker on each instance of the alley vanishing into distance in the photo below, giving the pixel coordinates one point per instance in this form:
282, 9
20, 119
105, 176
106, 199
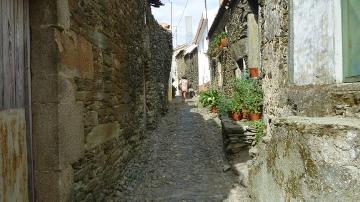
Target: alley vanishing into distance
182, 160
92, 100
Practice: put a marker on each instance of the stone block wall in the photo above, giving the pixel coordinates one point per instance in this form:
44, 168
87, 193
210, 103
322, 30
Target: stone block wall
237, 136
157, 72
193, 71
100, 71
308, 159
309, 152
274, 21
234, 22
181, 64
187, 65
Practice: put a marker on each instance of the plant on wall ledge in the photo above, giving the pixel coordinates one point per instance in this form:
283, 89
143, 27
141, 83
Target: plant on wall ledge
211, 98
254, 101
218, 43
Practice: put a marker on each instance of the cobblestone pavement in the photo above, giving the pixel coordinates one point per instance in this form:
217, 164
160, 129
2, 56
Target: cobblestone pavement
182, 160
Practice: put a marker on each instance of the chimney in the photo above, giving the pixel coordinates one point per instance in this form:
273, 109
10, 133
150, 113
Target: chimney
188, 29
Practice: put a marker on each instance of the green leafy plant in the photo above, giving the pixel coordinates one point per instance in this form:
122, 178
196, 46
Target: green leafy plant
241, 91
224, 105
235, 105
214, 45
253, 100
210, 98
259, 128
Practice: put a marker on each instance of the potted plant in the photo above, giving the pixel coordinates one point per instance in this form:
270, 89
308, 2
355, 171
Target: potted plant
254, 101
210, 98
241, 91
222, 40
254, 72
236, 110
219, 42
224, 105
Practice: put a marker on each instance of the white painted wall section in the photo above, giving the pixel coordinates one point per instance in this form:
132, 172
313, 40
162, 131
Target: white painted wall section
317, 53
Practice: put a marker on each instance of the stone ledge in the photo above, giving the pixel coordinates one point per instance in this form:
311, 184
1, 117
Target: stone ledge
325, 100
237, 136
309, 158
230, 126
330, 121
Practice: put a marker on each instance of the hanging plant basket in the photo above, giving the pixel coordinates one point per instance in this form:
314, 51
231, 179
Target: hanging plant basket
224, 42
254, 72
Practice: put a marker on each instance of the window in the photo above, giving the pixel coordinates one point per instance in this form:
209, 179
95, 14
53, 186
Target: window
351, 39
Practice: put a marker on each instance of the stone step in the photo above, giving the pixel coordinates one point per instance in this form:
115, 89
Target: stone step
317, 158
327, 100
231, 127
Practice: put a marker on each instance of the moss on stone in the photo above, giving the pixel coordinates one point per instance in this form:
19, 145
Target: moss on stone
293, 187
309, 165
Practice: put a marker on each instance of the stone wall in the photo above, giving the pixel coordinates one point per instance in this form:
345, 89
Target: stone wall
274, 21
234, 22
106, 67
180, 63
192, 72
157, 72
309, 152
187, 65
308, 159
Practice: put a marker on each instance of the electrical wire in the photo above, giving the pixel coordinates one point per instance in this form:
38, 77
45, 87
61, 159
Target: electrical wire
182, 15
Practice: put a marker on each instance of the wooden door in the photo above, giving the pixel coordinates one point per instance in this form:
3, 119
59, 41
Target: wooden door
351, 39
15, 122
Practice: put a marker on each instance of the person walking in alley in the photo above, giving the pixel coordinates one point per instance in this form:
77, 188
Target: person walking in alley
183, 86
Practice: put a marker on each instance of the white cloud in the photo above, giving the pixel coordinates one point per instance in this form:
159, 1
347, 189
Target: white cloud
195, 9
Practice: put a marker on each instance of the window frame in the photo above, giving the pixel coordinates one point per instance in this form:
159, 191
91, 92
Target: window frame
345, 43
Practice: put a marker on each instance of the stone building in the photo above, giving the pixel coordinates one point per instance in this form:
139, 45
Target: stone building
187, 64
99, 76
238, 19
310, 71
312, 102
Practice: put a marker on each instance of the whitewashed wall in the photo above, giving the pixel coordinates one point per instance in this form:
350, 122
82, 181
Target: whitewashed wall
203, 60
316, 53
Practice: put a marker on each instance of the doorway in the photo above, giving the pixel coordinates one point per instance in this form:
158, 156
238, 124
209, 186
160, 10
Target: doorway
15, 117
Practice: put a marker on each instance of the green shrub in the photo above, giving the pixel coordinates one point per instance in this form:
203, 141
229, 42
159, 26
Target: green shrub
253, 100
210, 98
224, 106
241, 89
259, 128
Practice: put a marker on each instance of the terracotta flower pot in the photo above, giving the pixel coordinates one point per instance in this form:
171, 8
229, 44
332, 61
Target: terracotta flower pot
254, 72
236, 116
245, 114
224, 42
254, 116
214, 109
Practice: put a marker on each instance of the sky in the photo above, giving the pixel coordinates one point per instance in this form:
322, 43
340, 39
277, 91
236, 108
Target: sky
194, 8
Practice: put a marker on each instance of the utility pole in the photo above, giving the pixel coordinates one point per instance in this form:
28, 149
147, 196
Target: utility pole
176, 42
206, 15
206, 12
171, 3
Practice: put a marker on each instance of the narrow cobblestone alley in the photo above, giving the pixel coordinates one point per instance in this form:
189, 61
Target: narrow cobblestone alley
180, 161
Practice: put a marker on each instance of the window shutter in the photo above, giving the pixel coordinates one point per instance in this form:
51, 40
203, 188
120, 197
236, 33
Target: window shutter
351, 39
